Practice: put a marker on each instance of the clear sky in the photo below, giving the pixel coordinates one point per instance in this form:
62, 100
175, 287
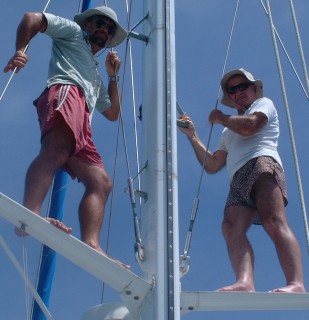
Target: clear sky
202, 33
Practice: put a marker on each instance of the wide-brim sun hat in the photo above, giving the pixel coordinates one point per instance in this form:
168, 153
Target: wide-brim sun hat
120, 33
226, 98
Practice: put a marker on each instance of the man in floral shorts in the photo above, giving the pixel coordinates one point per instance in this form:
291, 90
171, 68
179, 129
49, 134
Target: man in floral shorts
248, 148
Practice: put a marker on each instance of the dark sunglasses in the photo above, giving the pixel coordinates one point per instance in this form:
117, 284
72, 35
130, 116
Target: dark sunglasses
241, 87
102, 24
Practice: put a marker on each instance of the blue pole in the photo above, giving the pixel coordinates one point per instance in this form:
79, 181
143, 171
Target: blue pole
48, 256
86, 5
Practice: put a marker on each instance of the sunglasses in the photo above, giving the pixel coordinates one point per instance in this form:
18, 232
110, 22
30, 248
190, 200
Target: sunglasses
102, 24
241, 87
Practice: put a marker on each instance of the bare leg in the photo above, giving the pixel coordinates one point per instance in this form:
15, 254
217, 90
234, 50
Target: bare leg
55, 150
92, 206
237, 221
273, 216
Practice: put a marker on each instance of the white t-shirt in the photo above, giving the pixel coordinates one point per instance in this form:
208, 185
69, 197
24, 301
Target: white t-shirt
240, 149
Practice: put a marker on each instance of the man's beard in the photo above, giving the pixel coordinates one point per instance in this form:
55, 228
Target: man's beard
97, 40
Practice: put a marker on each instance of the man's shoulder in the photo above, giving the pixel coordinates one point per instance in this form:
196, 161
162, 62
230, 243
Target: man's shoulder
262, 100
262, 103
60, 24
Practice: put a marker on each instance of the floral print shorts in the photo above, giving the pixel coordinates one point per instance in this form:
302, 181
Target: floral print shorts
246, 176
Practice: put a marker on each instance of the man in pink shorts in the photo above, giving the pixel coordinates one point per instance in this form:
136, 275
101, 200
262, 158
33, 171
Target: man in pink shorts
74, 89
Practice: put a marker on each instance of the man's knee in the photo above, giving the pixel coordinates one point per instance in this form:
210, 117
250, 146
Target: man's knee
104, 182
274, 223
227, 226
108, 185
237, 220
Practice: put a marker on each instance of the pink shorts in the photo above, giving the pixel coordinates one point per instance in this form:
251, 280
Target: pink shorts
68, 101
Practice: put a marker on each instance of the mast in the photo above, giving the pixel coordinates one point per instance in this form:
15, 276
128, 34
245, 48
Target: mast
159, 227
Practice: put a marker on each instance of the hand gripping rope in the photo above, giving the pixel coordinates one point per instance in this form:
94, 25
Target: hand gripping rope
14, 71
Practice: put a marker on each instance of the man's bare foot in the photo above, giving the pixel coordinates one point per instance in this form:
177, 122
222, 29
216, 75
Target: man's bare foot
20, 232
60, 225
237, 287
290, 288
96, 246
117, 261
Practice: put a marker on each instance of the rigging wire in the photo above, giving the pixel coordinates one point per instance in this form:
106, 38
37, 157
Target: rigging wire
185, 256
138, 245
25, 268
289, 124
134, 114
25, 263
287, 55
43, 257
107, 245
301, 51
23, 274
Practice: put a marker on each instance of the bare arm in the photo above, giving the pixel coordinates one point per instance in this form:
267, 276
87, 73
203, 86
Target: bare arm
246, 125
30, 25
113, 112
213, 161
112, 64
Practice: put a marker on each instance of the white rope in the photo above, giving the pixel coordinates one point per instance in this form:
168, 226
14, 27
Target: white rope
289, 124
300, 45
26, 279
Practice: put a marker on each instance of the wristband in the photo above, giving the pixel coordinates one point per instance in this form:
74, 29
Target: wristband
113, 78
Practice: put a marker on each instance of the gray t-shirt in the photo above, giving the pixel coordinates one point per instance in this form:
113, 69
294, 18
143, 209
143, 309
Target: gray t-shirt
72, 62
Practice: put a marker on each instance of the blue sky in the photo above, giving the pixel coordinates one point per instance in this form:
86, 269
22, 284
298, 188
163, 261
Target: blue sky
202, 32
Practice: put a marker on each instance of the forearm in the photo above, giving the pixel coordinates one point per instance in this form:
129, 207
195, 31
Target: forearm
245, 125
115, 100
204, 156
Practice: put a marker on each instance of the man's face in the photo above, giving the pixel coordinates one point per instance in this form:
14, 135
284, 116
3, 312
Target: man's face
100, 30
241, 91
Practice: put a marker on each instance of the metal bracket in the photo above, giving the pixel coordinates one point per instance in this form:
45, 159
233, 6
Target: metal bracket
136, 35
139, 251
181, 123
184, 265
138, 193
